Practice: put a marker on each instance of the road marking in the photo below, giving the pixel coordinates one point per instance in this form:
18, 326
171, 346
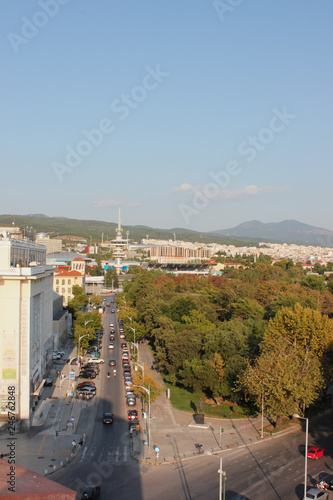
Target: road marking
125, 453
84, 453
100, 455
41, 445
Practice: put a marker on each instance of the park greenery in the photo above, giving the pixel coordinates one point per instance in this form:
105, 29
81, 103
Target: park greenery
86, 322
261, 329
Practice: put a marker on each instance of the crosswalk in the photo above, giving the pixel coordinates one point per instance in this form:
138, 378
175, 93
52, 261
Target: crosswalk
115, 455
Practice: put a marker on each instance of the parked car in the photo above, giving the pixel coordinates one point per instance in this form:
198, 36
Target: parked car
91, 493
315, 452
95, 360
130, 401
86, 374
240, 497
107, 418
93, 366
123, 345
91, 385
316, 494
48, 382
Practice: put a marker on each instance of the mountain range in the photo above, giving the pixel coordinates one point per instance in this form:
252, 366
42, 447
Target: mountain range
250, 232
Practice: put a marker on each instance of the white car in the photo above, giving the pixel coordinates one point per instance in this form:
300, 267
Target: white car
316, 494
111, 345
95, 360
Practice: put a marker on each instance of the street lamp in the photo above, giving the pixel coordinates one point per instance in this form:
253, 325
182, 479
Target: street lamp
142, 368
222, 476
148, 391
82, 336
132, 328
129, 317
306, 450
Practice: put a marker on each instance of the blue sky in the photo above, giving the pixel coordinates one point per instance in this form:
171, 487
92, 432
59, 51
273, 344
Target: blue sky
196, 114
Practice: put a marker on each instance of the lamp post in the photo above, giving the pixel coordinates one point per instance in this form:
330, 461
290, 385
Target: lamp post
306, 450
132, 328
129, 317
148, 392
143, 370
82, 336
222, 477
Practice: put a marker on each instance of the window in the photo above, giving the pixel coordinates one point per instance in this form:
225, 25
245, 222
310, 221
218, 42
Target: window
69, 290
57, 289
57, 282
63, 290
69, 282
62, 282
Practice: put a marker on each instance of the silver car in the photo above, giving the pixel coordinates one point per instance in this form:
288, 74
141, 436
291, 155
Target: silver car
316, 494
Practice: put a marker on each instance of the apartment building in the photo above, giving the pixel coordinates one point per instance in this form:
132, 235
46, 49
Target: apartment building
26, 309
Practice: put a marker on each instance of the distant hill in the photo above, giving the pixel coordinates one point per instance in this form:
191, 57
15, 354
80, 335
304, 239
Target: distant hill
61, 226
288, 231
248, 233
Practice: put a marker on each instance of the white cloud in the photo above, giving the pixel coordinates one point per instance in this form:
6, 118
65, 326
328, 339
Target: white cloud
184, 188
229, 194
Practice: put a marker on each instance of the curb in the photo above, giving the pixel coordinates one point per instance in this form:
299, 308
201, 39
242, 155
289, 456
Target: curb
218, 451
67, 460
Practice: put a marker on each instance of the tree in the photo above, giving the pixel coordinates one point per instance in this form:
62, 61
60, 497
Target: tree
111, 278
290, 380
79, 300
302, 327
314, 282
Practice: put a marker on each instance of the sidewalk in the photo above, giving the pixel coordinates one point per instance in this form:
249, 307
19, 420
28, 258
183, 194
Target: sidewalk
58, 420
177, 435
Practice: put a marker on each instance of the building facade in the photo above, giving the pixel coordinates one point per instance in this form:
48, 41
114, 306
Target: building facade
26, 310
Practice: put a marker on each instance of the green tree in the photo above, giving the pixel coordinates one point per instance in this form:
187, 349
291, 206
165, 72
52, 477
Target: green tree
314, 282
111, 278
289, 379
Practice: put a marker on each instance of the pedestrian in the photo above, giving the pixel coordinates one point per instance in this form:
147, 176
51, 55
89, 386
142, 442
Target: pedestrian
58, 373
131, 432
81, 440
73, 445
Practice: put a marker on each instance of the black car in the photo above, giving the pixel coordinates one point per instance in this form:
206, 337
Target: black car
87, 375
91, 366
91, 493
87, 384
107, 418
48, 382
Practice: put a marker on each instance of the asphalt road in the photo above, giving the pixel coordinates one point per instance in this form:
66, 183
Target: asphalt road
267, 471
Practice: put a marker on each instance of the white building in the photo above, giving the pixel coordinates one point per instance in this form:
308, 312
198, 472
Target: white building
26, 340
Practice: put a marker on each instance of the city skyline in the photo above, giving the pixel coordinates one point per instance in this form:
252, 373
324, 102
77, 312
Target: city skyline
201, 116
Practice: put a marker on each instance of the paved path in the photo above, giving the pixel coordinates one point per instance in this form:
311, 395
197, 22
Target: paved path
172, 431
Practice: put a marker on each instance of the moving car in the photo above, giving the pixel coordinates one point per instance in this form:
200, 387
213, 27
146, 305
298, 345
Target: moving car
91, 493
111, 345
107, 418
328, 478
112, 362
316, 494
315, 452
132, 415
130, 401
112, 337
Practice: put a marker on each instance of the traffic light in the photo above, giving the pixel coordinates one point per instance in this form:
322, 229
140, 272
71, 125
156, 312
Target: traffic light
56, 433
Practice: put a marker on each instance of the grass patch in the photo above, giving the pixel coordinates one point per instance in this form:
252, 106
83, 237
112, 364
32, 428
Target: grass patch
187, 401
